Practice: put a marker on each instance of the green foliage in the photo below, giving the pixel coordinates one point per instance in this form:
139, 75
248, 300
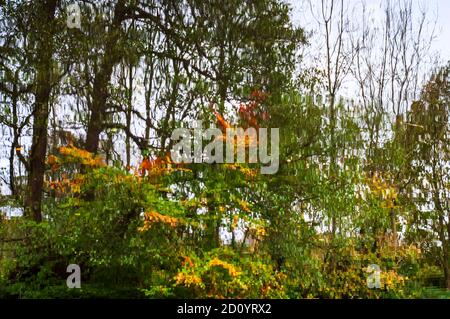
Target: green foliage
353, 189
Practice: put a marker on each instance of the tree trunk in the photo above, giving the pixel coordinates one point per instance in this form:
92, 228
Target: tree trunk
447, 252
11, 170
14, 143
41, 110
102, 79
128, 115
447, 272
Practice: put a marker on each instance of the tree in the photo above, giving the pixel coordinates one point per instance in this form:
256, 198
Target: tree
43, 40
427, 142
16, 87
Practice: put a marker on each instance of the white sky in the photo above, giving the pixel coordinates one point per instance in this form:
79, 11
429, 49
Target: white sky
439, 10
442, 43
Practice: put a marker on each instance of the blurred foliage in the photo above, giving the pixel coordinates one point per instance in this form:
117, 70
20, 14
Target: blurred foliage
160, 229
354, 188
